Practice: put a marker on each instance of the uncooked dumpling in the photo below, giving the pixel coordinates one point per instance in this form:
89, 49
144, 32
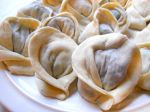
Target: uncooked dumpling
83, 10
142, 36
35, 10
64, 22
108, 67
15, 34
50, 51
109, 18
144, 81
106, 60
139, 14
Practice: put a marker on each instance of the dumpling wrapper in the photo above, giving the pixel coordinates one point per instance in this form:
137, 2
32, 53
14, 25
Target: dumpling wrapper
124, 3
54, 5
142, 39
50, 52
64, 22
105, 22
118, 13
35, 10
138, 37
91, 84
142, 6
15, 34
83, 10
144, 81
139, 14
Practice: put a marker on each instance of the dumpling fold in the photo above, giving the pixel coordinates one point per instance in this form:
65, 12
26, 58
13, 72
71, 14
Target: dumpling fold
108, 67
50, 51
15, 33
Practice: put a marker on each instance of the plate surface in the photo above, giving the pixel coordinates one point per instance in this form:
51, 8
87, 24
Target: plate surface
26, 87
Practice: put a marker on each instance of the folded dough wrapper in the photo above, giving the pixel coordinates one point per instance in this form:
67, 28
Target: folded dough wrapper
83, 10
144, 81
139, 14
108, 68
15, 33
124, 3
109, 18
64, 22
35, 10
50, 51
54, 5
139, 37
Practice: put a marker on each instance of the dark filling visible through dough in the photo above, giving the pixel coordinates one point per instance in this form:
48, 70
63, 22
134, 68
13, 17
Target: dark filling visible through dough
41, 12
19, 36
37, 11
62, 65
63, 24
112, 67
116, 13
84, 7
105, 29
57, 64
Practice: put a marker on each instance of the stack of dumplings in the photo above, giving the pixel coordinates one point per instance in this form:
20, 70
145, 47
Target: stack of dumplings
100, 48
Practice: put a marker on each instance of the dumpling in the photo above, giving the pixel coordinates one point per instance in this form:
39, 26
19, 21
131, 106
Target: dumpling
124, 3
35, 10
117, 11
142, 6
109, 18
50, 52
64, 22
139, 14
15, 34
108, 67
144, 81
142, 39
83, 10
53, 4
142, 36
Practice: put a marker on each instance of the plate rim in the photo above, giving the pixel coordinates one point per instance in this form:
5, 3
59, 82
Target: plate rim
25, 94
29, 97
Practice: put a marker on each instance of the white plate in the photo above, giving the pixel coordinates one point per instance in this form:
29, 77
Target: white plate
19, 93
